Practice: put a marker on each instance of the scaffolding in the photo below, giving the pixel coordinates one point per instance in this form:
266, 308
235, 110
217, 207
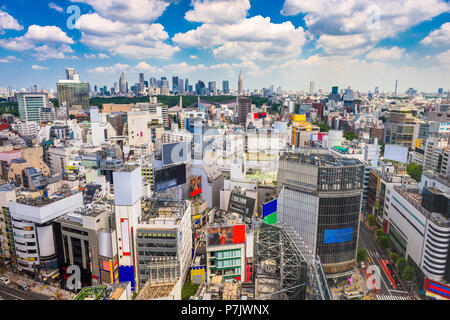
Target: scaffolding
285, 268
164, 274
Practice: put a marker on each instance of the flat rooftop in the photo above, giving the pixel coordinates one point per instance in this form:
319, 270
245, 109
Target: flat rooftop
40, 201
318, 158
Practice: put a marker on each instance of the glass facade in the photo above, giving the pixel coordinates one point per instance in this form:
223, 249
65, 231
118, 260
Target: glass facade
75, 95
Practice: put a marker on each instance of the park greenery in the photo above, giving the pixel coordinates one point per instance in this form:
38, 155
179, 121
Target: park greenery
350, 135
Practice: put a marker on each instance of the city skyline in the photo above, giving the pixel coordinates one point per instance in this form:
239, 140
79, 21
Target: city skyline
288, 43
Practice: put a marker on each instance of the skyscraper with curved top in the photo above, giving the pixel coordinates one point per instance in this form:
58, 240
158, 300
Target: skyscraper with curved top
240, 84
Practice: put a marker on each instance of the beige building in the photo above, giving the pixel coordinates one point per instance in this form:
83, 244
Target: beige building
111, 107
31, 157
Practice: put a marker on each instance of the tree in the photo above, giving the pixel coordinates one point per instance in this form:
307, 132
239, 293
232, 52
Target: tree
409, 274
324, 127
380, 233
401, 264
394, 257
361, 255
372, 220
349, 135
385, 242
415, 171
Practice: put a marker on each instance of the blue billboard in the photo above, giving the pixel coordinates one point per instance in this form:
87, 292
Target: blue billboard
338, 235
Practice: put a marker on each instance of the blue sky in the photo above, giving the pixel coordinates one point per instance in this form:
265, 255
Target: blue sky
287, 43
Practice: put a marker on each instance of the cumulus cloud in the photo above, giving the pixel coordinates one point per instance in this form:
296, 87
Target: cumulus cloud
394, 53
141, 11
218, 11
132, 40
46, 41
8, 22
96, 56
334, 19
438, 37
9, 59
256, 38
193, 57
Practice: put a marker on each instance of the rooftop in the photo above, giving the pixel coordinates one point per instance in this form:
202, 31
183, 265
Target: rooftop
319, 158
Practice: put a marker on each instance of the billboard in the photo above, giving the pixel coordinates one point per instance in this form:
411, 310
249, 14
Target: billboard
198, 274
195, 186
396, 153
338, 235
223, 235
270, 212
170, 177
173, 153
436, 290
260, 115
125, 237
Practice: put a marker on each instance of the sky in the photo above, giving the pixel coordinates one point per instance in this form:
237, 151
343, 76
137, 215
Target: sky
288, 43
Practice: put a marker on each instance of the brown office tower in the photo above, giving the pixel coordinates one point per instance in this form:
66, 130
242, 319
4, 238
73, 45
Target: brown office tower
244, 108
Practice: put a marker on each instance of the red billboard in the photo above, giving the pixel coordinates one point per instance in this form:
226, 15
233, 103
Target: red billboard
223, 235
436, 289
195, 186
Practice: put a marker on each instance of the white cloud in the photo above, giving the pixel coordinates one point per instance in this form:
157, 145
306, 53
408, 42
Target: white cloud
54, 6
7, 22
256, 38
438, 37
394, 53
355, 18
218, 11
136, 40
193, 57
49, 52
96, 56
37, 67
444, 58
135, 11
47, 34
9, 59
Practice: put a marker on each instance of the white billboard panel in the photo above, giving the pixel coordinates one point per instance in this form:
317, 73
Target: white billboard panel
396, 152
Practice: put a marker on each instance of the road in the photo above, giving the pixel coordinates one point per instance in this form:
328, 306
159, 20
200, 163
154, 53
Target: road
12, 293
375, 254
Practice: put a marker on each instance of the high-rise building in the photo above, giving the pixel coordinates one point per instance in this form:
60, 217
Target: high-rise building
212, 87
141, 83
396, 86
186, 85
320, 197
30, 105
175, 84
72, 92
123, 83
200, 88
33, 89
312, 87
226, 87
244, 108
240, 84
181, 85
152, 82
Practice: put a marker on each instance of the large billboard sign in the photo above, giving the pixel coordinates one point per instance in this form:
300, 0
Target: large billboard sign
436, 290
270, 212
174, 153
396, 153
223, 235
195, 186
170, 177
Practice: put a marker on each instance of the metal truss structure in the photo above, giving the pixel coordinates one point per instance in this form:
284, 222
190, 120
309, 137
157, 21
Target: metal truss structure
285, 268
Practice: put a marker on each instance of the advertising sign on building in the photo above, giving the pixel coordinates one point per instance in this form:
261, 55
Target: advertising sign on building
223, 235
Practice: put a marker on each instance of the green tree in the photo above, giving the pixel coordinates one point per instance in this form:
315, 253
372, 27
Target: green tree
409, 274
380, 233
372, 220
394, 257
401, 264
361, 255
324, 127
350, 135
189, 289
415, 171
385, 242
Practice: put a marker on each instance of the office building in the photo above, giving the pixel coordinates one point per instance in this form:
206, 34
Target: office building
240, 84
175, 84
30, 105
123, 84
401, 128
212, 87
320, 197
225, 87
244, 108
312, 87
141, 83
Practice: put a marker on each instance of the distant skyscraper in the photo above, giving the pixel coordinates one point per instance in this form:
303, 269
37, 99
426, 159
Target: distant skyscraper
244, 108
440, 91
152, 82
181, 85
174, 84
186, 85
141, 82
95, 88
334, 90
72, 92
396, 86
200, 88
123, 83
226, 87
312, 87
116, 87
240, 84
212, 87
